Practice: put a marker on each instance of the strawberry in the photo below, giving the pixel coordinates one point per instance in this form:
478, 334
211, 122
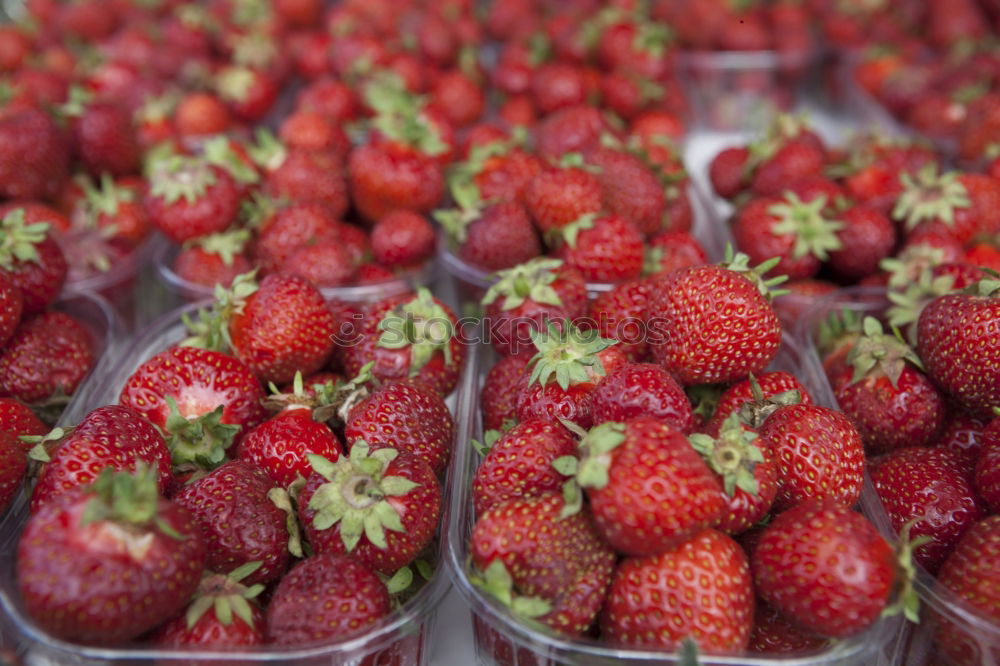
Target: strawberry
525, 297
457, 95
215, 259
543, 566
928, 486
402, 239
960, 353
105, 139
773, 634
31, 259
962, 205
714, 323
819, 454
707, 580
728, 172
603, 248
13, 466
500, 171
616, 457
573, 129
249, 91
963, 434
200, 114
311, 130
18, 419
795, 159
11, 306
408, 416
390, 176
327, 263
329, 97
968, 575
641, 389
556, 197
498, 397
189, 197
240, 522
866, 238
499, 236
108, 562
46, 358
629, 189
325, 597
852, 568
380, 506
772, 386
203, 400
409, 336
292, 227
987, 471
620, 314
223, 614
308, 175
281, 445
115, 207
670, 250
558, 85
34, 161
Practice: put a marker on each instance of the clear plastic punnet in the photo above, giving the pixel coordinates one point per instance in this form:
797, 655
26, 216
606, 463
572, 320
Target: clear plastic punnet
502, 640
402, 639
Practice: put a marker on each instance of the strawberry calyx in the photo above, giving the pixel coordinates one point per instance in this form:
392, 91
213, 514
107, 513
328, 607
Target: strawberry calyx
575, 161
571, 231
784, 128
225, 244
403, 585
733, 455
255, 49
740, 263
531, 280
907, 599
570, 355
355, 496
267, 151
814, 234
988, 287
497, 582
76, 103
157, 109
421, 325
754, 412
198, 443
908, 303
234, 83
704, 398
18, 240
219, 151
910, 264
104, 201
456, 221
181, 177
930, 196
589, 33
652, 38
282, 499
591, 469
257, 208
877, 350
399, 115
210, 329
838, 328
226, 596
490, 438
127, 499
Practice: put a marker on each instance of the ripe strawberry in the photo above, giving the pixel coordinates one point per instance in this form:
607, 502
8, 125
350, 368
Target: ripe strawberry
75, 590
402, 239
629, 189
215, 259
409, 336
968, 573
327, 263
558, 85
292, 227
240, 523
325, 597
573, 129
34, 161
641, 389
500, 171
458, 97
620, 314
48, 356
18, 419
380, 506
524, 298
707, 579
960, 353
545, 567
794, 160
739, 396
603, 248
281, 445
105, 139
31, 259
987, 470
556, 197
389, 176
773, 634
499, 236
928, 486
249, 91
728, 172
819, 454
408, 416
200, 114
203, 400
312, 130
670, 250
13, 466
498, 397
11, 306
308, 175
114, 208
189, 197
866, 238
851, 568
962, 205
223, 614
701, 335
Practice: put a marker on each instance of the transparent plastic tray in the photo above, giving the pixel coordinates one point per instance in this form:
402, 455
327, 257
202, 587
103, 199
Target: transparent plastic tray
401, 639
503, 641
915, 646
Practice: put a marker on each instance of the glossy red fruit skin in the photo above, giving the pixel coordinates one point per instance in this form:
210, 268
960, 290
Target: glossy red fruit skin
325, 597
199, 380
793, 161
825, 568
727, 170
212, 212
292, 227
554, 403
630, 189
502, 237
556, 197
34, 162
407, 416
386, 177
69, 576
210, 632
519, 464
610, 251
40, 282
105, 139
740, 393
111, 436
195, 266
987, 472
641, 389
700, 588
640, 517
419, 512
13, 465
620, 314
311, 176
498, 397
402, 238
926, 484
279, 446
773, 634
48, 352
238, 523
285, 327
818, 452
18, 419
11, 306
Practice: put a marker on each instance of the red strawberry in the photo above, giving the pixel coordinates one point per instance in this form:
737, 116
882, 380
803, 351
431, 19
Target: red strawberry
577, 128
292, 227
639, 518
240, 523
707, 580
408, 416
34, 161
223, 614
773, 634
216, 259
389, 176
794, 160
620, 314
188, 198
48, 356
458, 97
851, 569
713, 323
500, 236
13, 466
325, 597
326, 263
281, 445
501, 172
558, 85
641, 389
603, 248
200, 114
309, 175
108, 562
249, 92
866, 238
927, 486
105, 139
498, 397
545, 567
18, 419
987, 471
204, 400
629, 189
670, 250
380, 506
728, 172
31, 259
312, 130
115, 209
771, 385
11, 305
962, 205
819, 454
557, 197
402, 239
518, 464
